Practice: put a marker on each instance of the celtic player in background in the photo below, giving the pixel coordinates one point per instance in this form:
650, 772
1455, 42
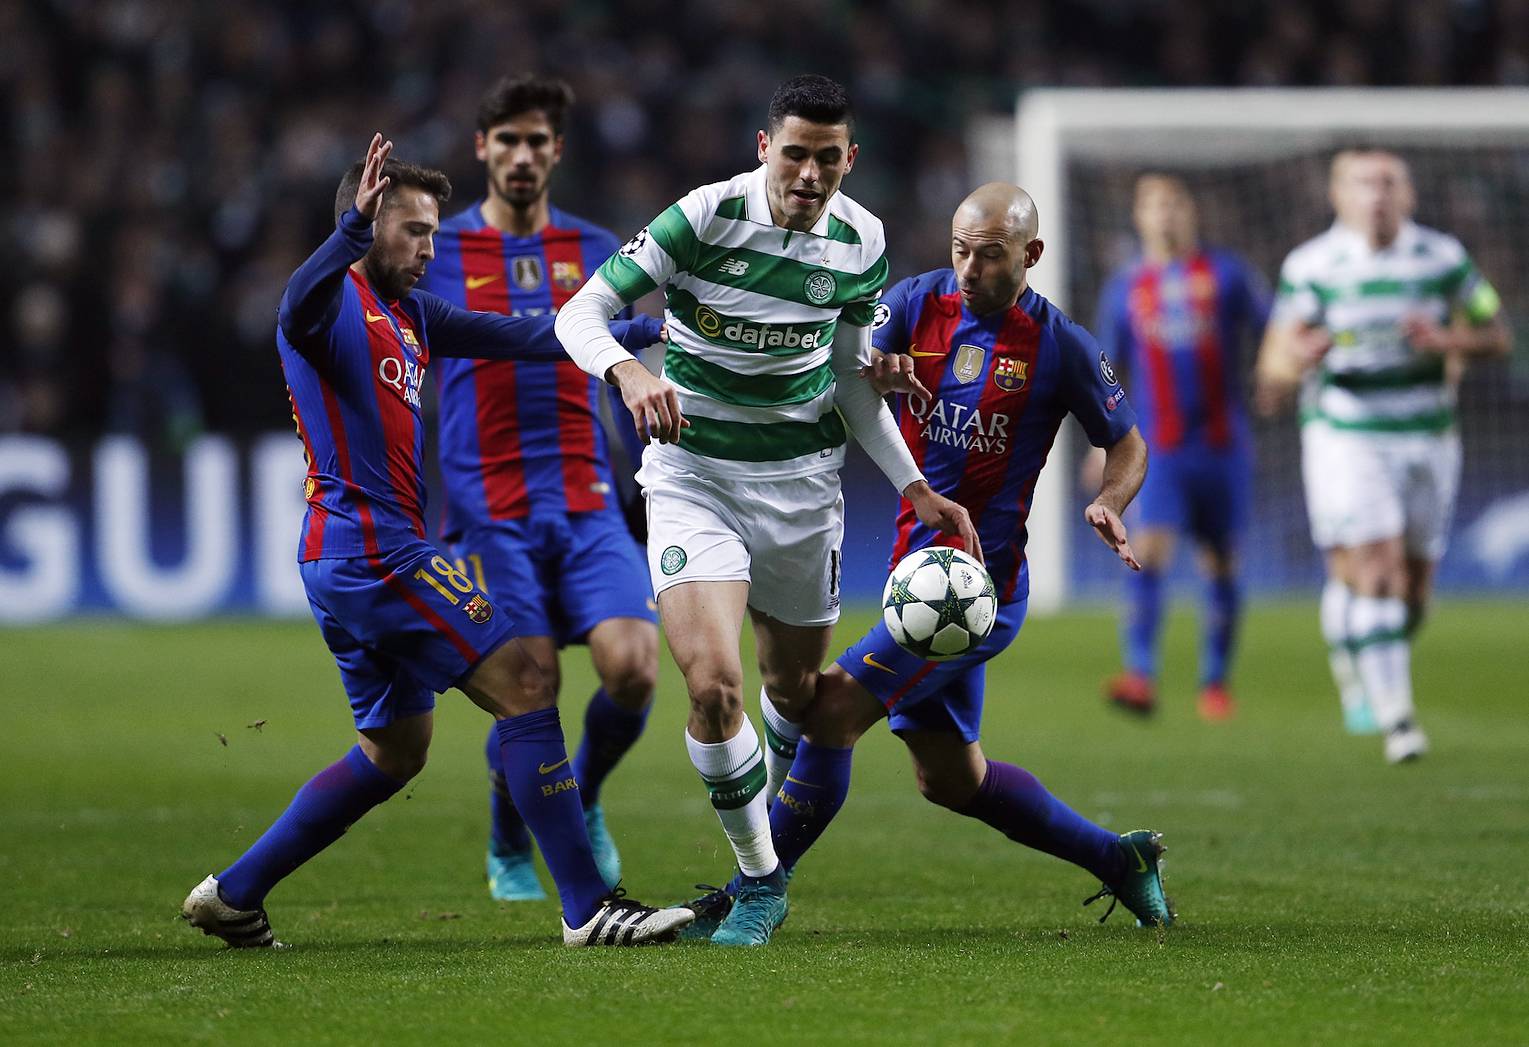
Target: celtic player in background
1373, 323
771, 280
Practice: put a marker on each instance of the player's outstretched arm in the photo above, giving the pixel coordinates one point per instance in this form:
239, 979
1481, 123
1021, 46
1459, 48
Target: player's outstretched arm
311, 301
1125, 467
493, 336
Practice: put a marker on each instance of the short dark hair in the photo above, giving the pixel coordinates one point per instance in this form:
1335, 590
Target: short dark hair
814, 98
399, 173
514, 95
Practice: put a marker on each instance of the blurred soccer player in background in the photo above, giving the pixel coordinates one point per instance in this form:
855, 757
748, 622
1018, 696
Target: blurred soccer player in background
770, 282
531, 510
1373, 324
402, 622
1175, 320
996, 370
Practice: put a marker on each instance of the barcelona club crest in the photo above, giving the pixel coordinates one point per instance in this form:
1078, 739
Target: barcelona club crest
1009, 374
478, 609
967, 366
527, 270
567, 276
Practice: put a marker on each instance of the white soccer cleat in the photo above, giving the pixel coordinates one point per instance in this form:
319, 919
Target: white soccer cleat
205, 908
623, 921
1406, 741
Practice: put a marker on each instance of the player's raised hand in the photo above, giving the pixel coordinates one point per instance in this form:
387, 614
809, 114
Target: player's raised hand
373, 181
893, 373
1106, 524
937, 511
1425, 335
654, 404
1310, 345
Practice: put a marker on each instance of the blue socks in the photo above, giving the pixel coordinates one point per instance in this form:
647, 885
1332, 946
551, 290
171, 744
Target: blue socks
1143, 622
1013, 801
506, 827
609, 732
544, 790
808, 800
331, 802
1223, 608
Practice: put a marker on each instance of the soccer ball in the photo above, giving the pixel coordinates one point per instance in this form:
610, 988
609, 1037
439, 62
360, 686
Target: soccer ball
939, 603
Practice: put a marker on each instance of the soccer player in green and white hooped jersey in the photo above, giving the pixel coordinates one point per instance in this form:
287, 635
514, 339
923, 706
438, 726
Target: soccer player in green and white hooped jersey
1373, 323
771, 281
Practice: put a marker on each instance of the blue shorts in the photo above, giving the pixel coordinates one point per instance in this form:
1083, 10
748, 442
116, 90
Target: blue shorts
559, 575
930, 696
401, 626
1200, 491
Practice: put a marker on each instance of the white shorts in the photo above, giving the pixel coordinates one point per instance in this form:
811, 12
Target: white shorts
1364, 487
780, 536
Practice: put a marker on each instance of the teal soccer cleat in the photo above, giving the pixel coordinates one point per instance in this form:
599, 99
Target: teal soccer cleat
607, 858
512, 874
1141, 888
758, 909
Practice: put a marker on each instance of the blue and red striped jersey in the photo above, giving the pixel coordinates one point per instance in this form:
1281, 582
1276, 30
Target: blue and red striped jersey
354, 364
1177, 331
1001, 386
519, 435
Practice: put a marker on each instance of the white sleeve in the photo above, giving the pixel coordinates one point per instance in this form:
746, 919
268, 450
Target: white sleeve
868, 416
583, 326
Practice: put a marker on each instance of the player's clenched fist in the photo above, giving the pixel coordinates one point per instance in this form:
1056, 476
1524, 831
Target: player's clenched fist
654, 405
893, 373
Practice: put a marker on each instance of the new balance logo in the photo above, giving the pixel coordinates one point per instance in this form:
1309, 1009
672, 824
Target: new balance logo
733, 267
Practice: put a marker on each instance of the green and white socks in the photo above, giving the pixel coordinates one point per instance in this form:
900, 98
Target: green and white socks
1383, 656
1336, 598
734, 773
781, 738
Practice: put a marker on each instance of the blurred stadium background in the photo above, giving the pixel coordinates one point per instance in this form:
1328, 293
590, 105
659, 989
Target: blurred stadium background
171, 162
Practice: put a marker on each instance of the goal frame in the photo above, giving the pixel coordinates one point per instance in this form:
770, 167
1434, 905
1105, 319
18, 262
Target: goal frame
1051, 126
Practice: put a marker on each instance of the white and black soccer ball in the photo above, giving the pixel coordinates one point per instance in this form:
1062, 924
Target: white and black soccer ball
939, 603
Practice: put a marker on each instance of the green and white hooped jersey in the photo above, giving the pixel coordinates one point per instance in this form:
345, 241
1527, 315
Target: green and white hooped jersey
752, 310
1372, 380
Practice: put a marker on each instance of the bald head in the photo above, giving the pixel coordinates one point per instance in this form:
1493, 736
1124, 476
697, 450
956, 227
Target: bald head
992, 242
999, 206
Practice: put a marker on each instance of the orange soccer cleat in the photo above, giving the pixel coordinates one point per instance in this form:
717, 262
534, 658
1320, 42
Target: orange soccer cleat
1132, 692
1216, 703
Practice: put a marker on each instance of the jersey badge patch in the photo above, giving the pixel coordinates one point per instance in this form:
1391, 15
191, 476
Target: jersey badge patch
527, 270
478, 609
968, 363
673, 560
820, 287
880, 316
567, 276
1010, 374
1107, 371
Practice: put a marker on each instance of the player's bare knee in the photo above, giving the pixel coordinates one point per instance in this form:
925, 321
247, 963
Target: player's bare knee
716, 695
400, 761
630, 683
841, 711
941, 788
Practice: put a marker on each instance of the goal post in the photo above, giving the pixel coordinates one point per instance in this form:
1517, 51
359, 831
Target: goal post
1241, 142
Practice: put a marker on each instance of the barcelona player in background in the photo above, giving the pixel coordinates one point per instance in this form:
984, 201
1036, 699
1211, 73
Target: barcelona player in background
995, 370
1175, 319
402, 622
531, 511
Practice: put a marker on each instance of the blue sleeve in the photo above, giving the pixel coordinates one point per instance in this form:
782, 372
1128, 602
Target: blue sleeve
451, 331
636, 334
1113, 326
311, 302
1090, 387
889, 323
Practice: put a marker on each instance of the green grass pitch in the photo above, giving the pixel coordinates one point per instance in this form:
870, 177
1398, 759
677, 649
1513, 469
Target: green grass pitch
1325, 897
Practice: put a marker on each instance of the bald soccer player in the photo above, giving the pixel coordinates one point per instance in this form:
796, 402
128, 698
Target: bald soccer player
1373, 323
996, 368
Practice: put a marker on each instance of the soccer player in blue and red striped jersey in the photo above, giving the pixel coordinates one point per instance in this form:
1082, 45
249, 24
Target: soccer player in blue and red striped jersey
401, 621
1176, 320
997, 368
531, 509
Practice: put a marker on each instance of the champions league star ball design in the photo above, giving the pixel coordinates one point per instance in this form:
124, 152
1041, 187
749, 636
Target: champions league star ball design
939, 603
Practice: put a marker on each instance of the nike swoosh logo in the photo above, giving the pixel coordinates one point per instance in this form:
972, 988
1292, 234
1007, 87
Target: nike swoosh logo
542, 768
805, 785
1141, 863
874, 664
475, 282
916, 352
372, 317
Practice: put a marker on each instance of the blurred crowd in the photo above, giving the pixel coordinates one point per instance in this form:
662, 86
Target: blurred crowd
174, 160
